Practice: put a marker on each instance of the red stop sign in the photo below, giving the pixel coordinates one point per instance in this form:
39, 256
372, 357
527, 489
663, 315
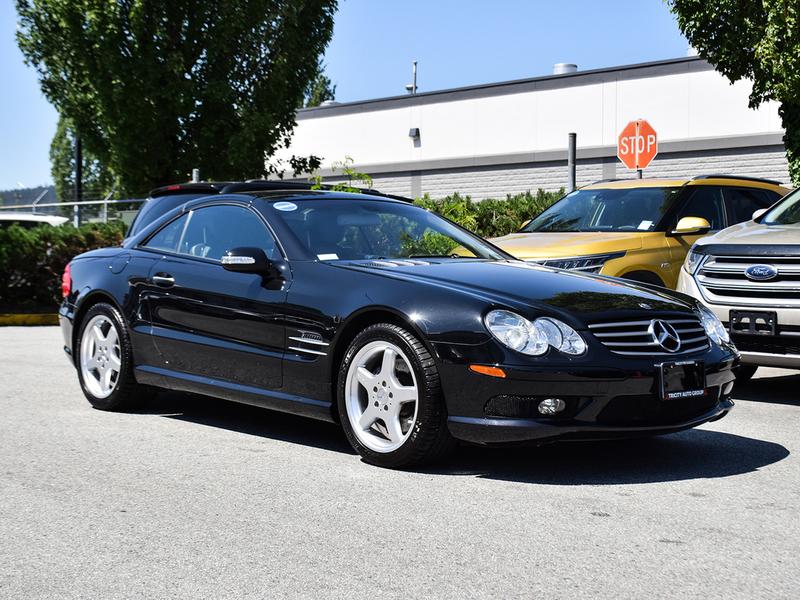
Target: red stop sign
637, 145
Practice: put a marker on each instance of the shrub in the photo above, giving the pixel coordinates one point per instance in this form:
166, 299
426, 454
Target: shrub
491, 217
32, 261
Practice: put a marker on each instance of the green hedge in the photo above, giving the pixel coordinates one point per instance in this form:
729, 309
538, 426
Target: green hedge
491, 217
32, 261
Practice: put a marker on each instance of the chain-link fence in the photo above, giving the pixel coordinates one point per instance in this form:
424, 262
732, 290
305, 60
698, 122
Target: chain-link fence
87, 211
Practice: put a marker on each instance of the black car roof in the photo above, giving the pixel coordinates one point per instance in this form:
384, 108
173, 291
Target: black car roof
256, 185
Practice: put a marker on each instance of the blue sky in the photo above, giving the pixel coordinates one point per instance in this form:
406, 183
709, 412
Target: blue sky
455, 42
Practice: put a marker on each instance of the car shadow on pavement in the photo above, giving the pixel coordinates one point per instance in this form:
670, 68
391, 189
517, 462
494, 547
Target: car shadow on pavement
693, 454
770, 390
249, 420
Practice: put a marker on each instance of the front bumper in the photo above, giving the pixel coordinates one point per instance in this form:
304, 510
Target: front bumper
511, 431
620, 399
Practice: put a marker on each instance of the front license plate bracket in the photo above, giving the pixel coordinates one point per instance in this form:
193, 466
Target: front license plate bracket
753, 322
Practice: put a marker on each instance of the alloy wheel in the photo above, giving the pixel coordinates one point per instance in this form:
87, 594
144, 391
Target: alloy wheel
381, 396
101, 358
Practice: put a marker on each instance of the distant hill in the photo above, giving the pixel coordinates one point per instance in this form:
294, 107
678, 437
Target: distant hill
27, 195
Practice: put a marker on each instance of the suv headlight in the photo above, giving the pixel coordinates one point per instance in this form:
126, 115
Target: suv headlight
592, 263
693, 260
533, 337
713, 326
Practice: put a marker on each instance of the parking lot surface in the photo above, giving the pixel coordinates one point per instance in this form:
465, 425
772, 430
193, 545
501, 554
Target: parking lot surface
198, 498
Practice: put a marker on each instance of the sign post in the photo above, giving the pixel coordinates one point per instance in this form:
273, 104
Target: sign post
637, 145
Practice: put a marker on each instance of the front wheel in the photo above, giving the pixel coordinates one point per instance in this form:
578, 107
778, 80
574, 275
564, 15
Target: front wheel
390, 399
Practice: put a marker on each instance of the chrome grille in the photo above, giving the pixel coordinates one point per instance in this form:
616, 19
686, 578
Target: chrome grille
634, 338
722, 280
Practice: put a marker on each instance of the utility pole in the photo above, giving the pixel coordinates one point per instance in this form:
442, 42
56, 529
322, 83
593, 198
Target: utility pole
572, 144
76, 211
78, 170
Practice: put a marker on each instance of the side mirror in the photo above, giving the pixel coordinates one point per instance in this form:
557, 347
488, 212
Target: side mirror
759, 213
691, 225
525, 223
246, 260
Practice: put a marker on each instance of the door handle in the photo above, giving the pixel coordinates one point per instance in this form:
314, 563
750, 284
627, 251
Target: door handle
163, 280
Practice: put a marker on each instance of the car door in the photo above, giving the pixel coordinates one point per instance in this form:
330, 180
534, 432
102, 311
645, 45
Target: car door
705, 201
207, 321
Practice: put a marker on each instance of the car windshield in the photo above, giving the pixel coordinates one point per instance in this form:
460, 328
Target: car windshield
631, 209
787, 211
352, 229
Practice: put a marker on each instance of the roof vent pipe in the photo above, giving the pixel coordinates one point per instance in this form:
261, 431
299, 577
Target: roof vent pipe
564, 68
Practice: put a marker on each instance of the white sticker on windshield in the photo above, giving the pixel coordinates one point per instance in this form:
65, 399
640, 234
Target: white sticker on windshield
285, 206
328, 256
645, 225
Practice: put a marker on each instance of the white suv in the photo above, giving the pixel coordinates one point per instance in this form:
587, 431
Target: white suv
28, 220
749, 275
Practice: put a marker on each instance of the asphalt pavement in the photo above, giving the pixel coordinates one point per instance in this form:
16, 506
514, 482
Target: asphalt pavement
198, 498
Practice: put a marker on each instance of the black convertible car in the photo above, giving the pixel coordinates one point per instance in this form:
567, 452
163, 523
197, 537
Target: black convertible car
405, 328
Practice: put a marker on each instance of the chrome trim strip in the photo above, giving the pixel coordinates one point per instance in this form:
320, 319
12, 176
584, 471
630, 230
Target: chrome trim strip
630, 323
619, 334
309, 341
307, 350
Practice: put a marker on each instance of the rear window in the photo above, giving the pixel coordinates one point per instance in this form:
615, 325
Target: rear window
157, 207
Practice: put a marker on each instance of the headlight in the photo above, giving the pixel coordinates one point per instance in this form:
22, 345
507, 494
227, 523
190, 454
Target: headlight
533, 338
713, 326
585, 264
693, 260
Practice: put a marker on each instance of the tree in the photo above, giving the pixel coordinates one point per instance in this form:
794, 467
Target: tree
756, 40
97, 179
157, 88
320, 89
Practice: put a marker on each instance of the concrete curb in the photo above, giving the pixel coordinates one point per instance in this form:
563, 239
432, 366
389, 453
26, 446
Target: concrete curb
28, 319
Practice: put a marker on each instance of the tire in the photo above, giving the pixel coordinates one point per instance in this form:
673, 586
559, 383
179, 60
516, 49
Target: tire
744, 373
384, 367
104, 360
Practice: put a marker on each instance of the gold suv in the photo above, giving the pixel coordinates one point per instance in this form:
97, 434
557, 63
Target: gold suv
638, 229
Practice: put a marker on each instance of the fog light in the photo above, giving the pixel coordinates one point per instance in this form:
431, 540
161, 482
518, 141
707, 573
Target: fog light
551, 406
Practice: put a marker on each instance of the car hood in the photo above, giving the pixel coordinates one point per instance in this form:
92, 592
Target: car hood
521, 285
750, 233
567, 244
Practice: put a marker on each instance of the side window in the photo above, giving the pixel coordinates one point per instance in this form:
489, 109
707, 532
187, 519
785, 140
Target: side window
743, 202
216, 229
706, 202
168, 236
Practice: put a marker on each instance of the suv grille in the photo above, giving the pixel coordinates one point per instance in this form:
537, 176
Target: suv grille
767, 344
722, 280
636, 338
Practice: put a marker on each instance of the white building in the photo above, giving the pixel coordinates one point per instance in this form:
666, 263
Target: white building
503, 138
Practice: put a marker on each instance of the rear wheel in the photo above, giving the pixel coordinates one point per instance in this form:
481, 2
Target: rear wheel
104, 361
390, 399
744, 373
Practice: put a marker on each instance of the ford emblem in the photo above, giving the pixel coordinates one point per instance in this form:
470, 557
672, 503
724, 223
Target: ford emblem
761, 272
